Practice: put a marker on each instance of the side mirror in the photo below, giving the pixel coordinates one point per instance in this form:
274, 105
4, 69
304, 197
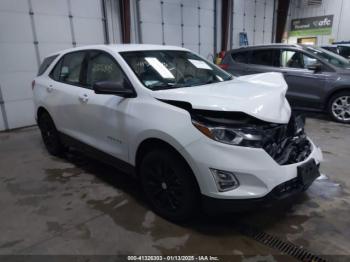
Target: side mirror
122, 89
316, 67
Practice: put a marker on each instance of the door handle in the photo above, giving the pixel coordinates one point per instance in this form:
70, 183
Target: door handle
84, 98
49, 89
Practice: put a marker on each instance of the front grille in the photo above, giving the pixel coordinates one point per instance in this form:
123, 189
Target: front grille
287, 144
286, 188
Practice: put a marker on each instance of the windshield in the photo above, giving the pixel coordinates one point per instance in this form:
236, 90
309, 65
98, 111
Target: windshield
329, 57
165, 69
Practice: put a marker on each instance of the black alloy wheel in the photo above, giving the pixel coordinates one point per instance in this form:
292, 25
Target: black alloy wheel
169, 185
50, 135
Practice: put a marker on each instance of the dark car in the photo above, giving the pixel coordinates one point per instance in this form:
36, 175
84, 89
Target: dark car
341, 49
317, 79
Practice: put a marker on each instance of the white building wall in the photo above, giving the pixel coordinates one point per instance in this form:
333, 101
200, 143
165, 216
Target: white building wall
30, 30
338, 8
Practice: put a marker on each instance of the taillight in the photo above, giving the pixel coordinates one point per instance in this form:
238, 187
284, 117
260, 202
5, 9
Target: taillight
224, 66
33, 84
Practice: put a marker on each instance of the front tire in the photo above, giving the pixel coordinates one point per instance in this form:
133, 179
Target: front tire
50, 135
339, 107
169, 185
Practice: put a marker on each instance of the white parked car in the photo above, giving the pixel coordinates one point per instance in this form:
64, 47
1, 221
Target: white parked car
193, 135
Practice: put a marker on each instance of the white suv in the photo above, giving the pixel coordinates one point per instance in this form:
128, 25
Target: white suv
194, 136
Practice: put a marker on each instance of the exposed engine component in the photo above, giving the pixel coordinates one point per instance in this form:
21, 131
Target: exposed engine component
285, 143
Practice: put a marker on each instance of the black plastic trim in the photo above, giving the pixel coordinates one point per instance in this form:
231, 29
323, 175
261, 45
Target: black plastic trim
181, 104
219, 206
97, 154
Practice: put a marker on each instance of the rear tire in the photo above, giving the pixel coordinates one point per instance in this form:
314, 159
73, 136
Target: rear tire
339, 107
169, 185
50, 135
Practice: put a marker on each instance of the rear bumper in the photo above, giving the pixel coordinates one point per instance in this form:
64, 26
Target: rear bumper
284, 191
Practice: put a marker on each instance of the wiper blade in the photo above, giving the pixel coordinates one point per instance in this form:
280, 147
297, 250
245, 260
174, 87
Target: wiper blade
161, 86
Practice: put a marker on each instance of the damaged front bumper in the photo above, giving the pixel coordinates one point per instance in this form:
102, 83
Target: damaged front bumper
269, 172
282, 192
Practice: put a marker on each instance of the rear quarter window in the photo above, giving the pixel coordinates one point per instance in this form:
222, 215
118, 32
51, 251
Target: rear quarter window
265, 57
45, 64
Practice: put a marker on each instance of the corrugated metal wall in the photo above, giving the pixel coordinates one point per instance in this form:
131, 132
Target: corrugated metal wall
190, 23
187, 23
255, 17
30, 30
338, 8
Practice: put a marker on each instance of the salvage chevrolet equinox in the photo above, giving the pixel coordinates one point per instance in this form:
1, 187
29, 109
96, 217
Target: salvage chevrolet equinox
194, 137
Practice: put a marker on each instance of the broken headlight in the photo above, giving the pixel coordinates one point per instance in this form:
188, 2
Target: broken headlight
248, 137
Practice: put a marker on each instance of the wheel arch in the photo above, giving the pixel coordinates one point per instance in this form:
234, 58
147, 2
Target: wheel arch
331, 94
151, 143
156, 143
40, 111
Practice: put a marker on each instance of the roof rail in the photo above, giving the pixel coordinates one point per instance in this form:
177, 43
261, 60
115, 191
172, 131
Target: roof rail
341, 42
267, 45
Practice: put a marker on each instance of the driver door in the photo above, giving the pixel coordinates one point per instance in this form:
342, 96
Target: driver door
104, 117
305, 86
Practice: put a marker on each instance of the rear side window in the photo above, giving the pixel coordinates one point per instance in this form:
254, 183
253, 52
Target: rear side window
45, 64
69, 69
241, 57
267, 57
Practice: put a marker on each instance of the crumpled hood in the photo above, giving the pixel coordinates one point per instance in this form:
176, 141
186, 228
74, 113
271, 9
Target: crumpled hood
260, 95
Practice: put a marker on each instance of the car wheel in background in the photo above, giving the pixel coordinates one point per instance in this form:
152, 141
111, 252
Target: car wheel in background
339, 107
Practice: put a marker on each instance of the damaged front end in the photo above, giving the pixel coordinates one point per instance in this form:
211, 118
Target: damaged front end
288, 144
285, 143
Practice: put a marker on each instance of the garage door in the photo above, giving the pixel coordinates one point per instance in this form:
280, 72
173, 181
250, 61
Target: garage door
30, 30
255, 17
187, 23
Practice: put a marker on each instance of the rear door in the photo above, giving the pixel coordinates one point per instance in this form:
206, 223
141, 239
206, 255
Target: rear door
66, 80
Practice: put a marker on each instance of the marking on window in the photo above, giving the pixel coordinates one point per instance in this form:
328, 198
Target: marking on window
159, 67
200, 64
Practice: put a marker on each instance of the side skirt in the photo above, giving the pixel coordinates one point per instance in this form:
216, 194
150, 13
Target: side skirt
97, 154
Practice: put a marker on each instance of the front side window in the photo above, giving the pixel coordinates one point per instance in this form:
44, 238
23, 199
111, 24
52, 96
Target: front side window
69, 69
103, 67
268, 57
165, 69
295, 59
329, 57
